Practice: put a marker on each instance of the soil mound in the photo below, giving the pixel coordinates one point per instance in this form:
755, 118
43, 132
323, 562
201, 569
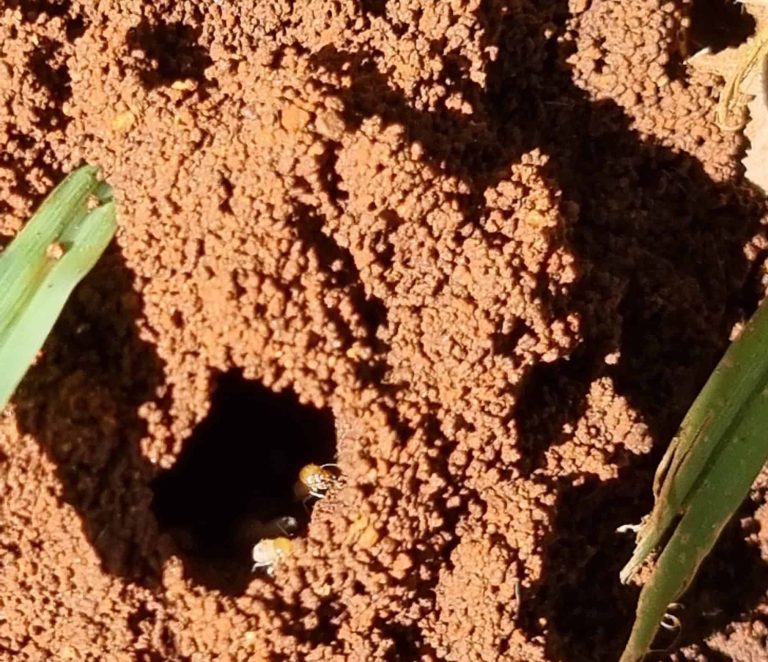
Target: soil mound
481, 254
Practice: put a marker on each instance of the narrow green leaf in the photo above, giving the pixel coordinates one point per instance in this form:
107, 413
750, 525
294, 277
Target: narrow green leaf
742, 369
23, 257
704, 477
38, 271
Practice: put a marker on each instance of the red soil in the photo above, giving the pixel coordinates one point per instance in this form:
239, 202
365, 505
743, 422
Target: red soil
486, 251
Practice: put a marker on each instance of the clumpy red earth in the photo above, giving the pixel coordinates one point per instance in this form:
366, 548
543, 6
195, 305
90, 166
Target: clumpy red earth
479, 253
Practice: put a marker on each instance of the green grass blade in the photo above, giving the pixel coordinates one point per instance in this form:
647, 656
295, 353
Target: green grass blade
714, 500
22, 258
742, 369
34, 286
706, 474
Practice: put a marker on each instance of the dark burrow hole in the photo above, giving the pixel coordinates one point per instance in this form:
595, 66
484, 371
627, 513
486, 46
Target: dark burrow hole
53, 75
719, 24
374, 7
172, 52
235, 472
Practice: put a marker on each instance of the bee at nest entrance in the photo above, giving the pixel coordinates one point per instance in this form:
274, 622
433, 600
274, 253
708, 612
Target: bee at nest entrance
235, 482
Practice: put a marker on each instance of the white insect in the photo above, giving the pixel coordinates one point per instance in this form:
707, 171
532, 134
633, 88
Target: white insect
268, 553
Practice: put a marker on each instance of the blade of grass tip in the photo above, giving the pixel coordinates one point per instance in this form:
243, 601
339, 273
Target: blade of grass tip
716, 497
83, 242
68, 197
23, 261
740, 371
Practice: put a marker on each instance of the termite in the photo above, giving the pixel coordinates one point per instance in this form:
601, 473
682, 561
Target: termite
315, 480
268, 553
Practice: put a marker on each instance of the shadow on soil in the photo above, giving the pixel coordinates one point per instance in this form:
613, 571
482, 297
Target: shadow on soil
588, 613
591, 614
81, 402
662, 279
733, 578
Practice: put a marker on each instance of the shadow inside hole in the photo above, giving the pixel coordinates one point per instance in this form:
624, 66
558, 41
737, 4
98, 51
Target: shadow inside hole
236, 472
719, 24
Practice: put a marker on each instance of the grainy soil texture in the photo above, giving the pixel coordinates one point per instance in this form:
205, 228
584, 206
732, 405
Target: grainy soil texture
480, 254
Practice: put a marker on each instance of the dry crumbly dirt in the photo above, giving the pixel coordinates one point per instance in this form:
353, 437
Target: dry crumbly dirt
480, 253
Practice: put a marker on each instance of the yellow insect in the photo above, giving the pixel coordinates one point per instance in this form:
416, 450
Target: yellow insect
268, 553
315, 480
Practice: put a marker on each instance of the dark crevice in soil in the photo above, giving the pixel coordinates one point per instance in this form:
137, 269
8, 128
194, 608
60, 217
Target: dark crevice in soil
142, 614
505, 340
324, 619
380, 241
706, 653
330, 177
75, 27
36, 172
227, 190
374, 7
32, 9
235, 474
408, 642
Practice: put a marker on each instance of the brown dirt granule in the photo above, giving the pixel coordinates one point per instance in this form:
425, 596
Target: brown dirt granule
479, 253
